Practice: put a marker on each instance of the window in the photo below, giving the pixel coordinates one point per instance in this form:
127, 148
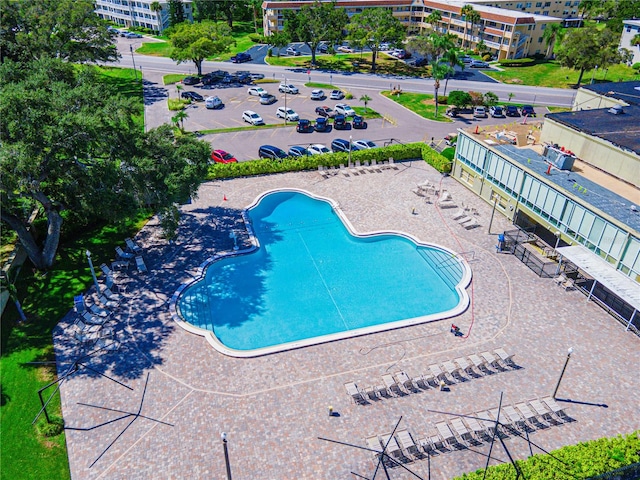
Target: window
501, 201
543, 26
528, 5
540, 39
467, 177
538, 4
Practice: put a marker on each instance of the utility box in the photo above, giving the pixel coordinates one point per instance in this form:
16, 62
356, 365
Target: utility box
558, 158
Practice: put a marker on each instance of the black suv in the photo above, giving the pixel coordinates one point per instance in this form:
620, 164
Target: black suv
511, 111
340, 145
340, 123
193, 96
191, 80
359, 123
322, 125
241, 58
304, 126
271, 152
528, 111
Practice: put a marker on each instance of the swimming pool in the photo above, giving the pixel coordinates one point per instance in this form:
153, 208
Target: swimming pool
310, 278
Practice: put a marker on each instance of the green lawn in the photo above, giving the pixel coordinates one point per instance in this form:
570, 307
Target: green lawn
45, 300
420, 103
551, 74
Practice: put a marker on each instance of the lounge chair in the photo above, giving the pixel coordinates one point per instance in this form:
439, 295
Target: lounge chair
122, 254
446, 435
78, 304
464, 365
373, 444
132, 246
104, 343
112, 295
459, 214
105, 269
392, 164
474, 426
86, 337
568, 284
93, 319
406, 442
96, 310
106, 302
83, 327
359, 167
560, 279
403, 379
465, 219
375, 166
140, 264
555, 408
527, 413
372, 392
356, 394
446, 204
418, 192
504, 356
490, 359
472, 224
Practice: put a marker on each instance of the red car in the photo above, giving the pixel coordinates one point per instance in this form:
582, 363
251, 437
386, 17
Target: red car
220, 156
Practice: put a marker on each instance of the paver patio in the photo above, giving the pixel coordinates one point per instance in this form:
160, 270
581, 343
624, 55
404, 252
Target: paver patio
275, 407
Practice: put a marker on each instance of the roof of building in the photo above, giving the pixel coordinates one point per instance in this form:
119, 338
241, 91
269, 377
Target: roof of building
591, 193
632, 22
622, 130
628, 92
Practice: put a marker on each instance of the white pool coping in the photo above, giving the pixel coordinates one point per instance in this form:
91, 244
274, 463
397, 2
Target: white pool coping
460, 288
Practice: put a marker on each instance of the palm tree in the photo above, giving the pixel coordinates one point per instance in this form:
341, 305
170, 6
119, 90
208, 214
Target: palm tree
441, 44
452, 57
157, 8
179, 119
439, 71
550, 34
178, 88
433, 19
465, 11
365, 99
635, 41
474, 19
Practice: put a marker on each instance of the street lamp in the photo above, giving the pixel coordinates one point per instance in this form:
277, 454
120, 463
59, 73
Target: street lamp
93, 272
223, 436
557, 234
569, 352
350, 138
133, 60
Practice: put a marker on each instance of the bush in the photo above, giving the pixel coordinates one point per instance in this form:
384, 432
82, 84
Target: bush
348, 96
410, 151
636, 66
490, 99
270, 52
459, 98
486, 57
177, 103
55, 428
477, 98
443, 99
517, 62
256, 38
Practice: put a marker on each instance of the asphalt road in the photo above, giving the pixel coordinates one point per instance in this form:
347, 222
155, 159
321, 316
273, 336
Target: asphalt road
399, 125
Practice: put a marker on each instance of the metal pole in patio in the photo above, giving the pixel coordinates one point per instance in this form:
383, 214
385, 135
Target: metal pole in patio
226, 454
566, 362
93, 272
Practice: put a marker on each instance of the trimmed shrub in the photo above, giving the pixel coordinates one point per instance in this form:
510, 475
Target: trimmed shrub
177, 103
56, 427
486, 57
256, 37
636, 66
517, 62
410, 151
459, 98
443, 99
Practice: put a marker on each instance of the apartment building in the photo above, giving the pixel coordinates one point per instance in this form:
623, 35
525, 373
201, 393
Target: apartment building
630, 29
506, 33
130, 13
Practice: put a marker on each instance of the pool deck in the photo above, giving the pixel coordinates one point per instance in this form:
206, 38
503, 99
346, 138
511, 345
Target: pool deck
275, 407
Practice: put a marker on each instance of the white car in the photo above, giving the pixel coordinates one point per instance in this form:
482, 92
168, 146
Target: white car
292, 51
337, 95
364, 144
345, 110
317, 95
257, 91
318, 149
344, 49
252, 117
287, 114
288, 88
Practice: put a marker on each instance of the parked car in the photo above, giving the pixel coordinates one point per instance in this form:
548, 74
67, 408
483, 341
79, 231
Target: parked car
511, 111
344, 49
341, 145
466, 59
213, 77
271, 152
267, 99
496, 111
359, 123
322, 48
480, 112
241, 58
325, 111
132, 35
304, 126
420, 62
364, 144
257, 91
213, 103
340, 123
288, 88
452, 112
322, 125
317, 95
451, 139
292, 51
220, 156
190, 80
337, 95
345, 110
384, 46
193, 96
287, 114
113, 30
528, 111
298, 151
252, 117
478, 64
318, 149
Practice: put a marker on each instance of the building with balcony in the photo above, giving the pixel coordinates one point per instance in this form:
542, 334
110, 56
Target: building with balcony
130, 13
630, 29
506, 33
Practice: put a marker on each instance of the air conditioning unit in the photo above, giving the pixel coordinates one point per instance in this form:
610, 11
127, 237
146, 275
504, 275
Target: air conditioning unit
559, 158
616, 110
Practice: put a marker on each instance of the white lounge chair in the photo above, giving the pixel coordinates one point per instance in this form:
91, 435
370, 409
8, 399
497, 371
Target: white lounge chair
356, 394
447, 204
93, 319
459, 214
96, 310
106, 302
105, 269
472, 224
464, 220
140, 264
375, 166
104, 343
122, 254
112, 295
85, 327
88, 337
131, 245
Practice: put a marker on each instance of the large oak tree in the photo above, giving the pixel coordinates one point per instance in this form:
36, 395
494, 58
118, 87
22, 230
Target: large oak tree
195, 42
70, 146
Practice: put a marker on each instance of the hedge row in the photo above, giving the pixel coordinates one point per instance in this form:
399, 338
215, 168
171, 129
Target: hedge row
580, 461
517, 62
409, 151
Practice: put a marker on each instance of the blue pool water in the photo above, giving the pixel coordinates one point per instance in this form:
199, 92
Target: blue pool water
311, 278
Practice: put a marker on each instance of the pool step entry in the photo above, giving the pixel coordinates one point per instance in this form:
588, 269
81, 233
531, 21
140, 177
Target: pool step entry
445, 265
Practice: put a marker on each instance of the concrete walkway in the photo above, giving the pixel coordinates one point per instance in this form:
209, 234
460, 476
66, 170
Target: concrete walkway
274, 408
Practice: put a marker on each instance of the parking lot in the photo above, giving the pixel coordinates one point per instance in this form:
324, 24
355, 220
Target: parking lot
398, 124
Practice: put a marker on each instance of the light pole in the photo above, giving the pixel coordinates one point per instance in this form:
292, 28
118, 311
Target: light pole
285, 100
569, 352
557, 234
330, 78
223, 436
350, 138
133, 60
93, 272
